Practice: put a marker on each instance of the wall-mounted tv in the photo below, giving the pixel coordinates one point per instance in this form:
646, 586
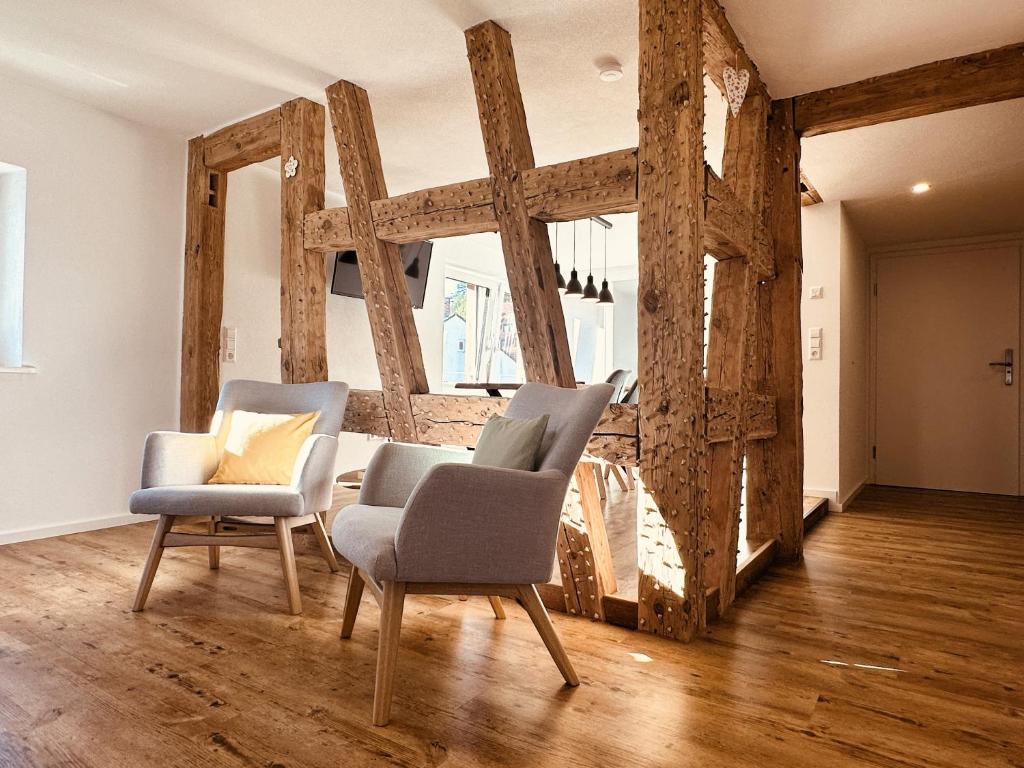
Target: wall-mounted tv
415, 264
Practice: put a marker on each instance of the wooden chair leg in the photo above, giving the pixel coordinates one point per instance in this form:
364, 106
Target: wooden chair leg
630, 482
352, 597
156, 550
213, 525
387, 651
541, 620
617, 472
291, 576
499, 609
325, 543
602, 489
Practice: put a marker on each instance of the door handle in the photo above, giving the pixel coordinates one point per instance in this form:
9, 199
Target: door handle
1007, 365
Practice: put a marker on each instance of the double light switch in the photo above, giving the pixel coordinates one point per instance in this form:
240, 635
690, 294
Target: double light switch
814, 347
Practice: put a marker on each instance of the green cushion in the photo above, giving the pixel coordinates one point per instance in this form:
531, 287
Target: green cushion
510, 443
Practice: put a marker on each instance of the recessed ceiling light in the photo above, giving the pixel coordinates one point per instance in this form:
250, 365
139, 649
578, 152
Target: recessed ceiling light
920, 188
609, 70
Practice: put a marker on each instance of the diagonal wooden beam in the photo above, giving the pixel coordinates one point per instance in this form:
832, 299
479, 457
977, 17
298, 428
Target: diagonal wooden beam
388, 305
722, 48
303, 299
528, 262
965, 81
672, 515
248, 141
583, 554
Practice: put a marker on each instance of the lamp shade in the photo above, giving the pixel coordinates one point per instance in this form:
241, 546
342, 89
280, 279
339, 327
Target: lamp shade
605, 297
575, 287
590, 291
559, 278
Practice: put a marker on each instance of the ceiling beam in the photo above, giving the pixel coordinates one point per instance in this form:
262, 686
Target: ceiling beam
248, 141
966, 81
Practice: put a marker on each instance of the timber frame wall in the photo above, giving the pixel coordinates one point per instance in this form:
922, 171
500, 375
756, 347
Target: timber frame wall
690, 432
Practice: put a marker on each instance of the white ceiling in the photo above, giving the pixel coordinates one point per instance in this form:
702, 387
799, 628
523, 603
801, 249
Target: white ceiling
190, 66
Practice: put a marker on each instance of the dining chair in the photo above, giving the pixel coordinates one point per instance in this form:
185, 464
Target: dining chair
176, 467
429, 522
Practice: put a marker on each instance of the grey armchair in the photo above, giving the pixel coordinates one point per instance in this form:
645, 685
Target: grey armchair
176, 467
428, 522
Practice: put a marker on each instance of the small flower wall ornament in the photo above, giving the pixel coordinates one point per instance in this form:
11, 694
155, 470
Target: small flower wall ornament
291, 167
736, 82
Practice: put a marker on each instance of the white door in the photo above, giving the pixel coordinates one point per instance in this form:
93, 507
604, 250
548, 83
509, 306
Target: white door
944, 416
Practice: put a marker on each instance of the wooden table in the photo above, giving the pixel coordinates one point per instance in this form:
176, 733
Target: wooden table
493, 388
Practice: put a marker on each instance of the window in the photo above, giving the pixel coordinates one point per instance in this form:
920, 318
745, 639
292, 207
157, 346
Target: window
479, 341
12, 263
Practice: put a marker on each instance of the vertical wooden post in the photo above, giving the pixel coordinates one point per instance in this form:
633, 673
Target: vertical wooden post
528, 262
775, 466
303, 282
730, 343
583, 552
672, 517
206, 195
388, 305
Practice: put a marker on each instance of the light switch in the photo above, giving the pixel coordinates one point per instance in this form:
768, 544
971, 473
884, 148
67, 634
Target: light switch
228, 346
816, 292
816, 342
815, 333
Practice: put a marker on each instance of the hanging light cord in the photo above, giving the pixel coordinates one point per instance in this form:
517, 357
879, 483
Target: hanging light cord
590, 248
606, 254
574, 245
556, 242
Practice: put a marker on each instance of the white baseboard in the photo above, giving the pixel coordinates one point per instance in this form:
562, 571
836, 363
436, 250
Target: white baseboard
850, 497
60, 529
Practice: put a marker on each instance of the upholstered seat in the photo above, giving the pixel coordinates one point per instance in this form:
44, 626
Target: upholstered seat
219, 500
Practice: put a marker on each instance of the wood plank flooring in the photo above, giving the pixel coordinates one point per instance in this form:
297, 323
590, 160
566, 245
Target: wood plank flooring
898, 641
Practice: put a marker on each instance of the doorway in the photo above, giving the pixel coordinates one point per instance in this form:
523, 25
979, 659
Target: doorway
946, 337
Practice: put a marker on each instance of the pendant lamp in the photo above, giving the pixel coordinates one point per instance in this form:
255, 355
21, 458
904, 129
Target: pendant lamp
574, 288
559, 279
605, 296
590, 293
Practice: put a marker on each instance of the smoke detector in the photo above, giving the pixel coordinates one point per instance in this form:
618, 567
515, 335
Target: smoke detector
609, 70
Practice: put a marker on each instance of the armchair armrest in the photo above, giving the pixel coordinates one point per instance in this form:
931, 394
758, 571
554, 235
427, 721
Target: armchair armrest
313, 475
178, 458
396, 468
477, 524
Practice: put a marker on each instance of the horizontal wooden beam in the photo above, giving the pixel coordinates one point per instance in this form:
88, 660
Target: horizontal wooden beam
458, 419
966, 81
248, 141
568, 191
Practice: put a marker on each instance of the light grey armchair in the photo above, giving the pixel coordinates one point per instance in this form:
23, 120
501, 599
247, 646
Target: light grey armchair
428, 522
176, 467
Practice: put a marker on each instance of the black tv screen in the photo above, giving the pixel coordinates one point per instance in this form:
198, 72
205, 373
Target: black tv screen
415, 264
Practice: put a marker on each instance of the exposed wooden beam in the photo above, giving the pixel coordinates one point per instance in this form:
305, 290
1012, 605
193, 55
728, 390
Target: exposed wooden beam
303, 299
395, 339
531, 273
775, 466
965, 81
576, 189
365, 413
729, 340
722, 48
543, 340
673, 450
205, 198
248, 141
808, 194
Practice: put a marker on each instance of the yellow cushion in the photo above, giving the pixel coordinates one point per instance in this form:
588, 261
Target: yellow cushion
260, 448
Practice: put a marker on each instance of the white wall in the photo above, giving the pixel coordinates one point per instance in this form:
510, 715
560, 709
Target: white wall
102, 307
836, 386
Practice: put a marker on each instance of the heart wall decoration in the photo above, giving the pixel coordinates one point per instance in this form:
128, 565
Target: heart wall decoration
736, 82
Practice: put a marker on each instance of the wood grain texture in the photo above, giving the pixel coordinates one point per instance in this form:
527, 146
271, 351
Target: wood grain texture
964, 81
579, 189
395, 339
543, 340
673, 453
217, 676
303, 281
203, 298
248, 141
455, 209
722, 48
775, 466
732, 229
327, 231
365, 413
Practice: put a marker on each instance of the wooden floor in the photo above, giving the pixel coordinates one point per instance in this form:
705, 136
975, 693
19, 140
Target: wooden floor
898, 641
